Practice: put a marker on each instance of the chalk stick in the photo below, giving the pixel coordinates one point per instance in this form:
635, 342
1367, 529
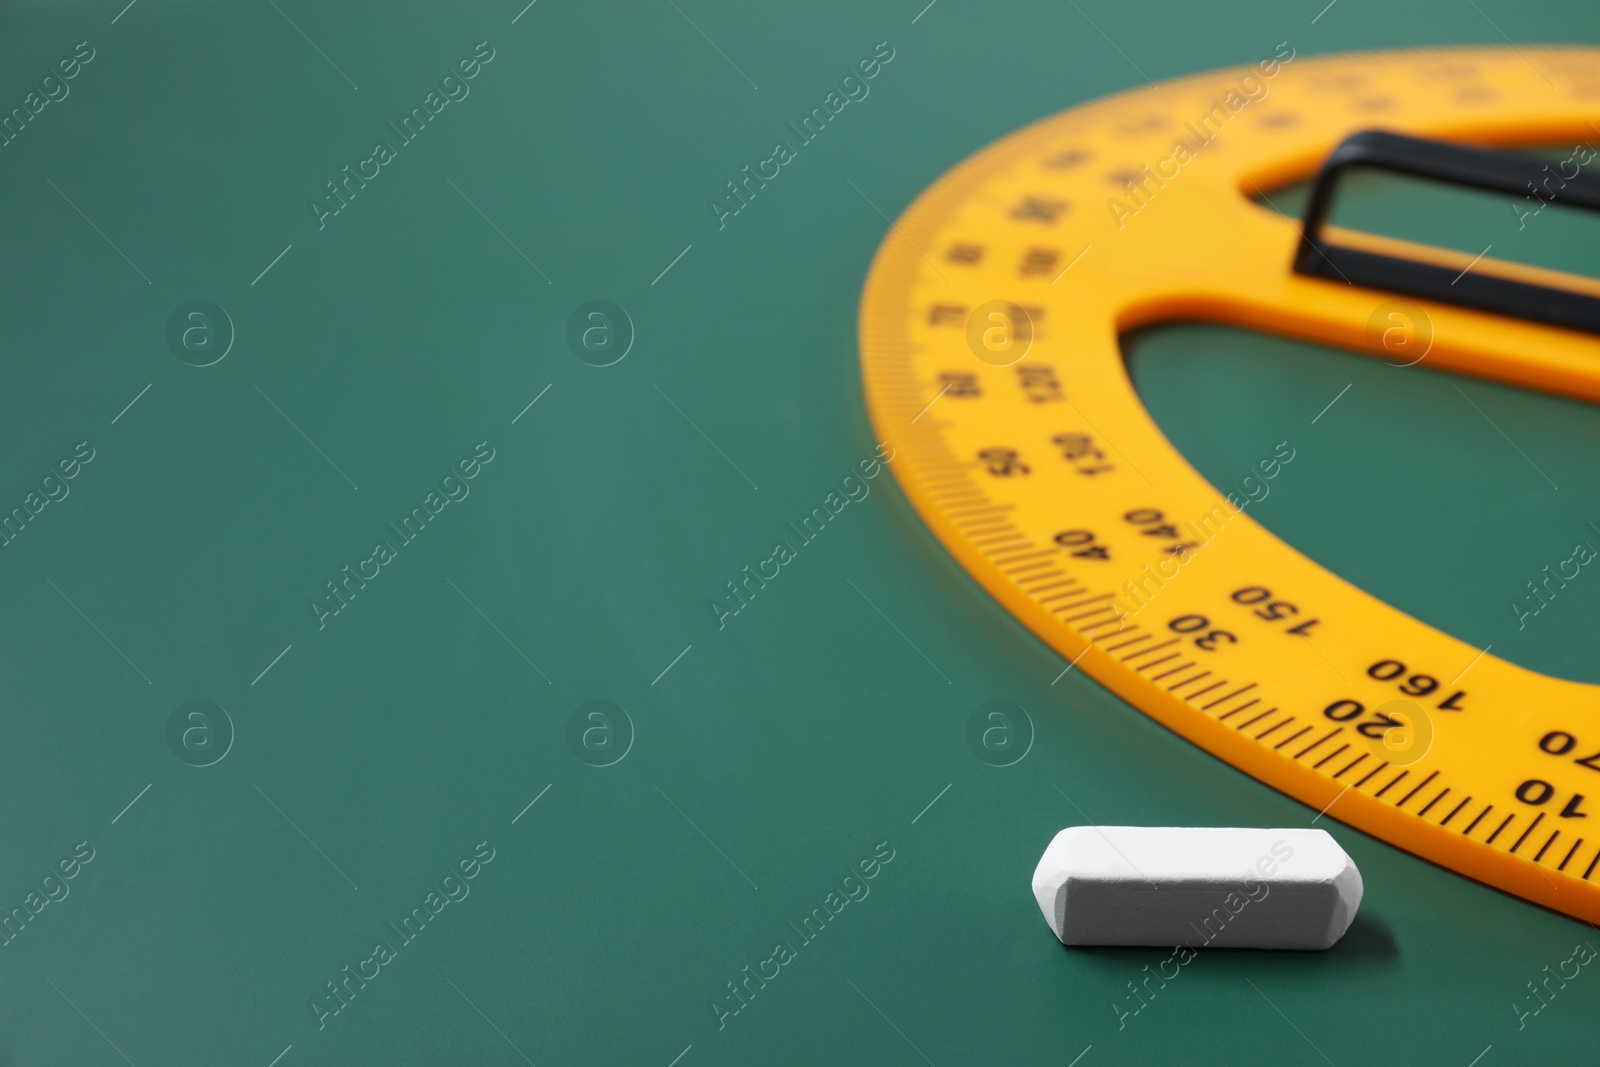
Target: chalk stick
1197, 886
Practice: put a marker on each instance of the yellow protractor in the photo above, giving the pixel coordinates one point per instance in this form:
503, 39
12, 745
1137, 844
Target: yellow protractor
990, 328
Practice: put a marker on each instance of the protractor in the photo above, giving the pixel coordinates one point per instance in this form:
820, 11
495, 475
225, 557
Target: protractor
990, 328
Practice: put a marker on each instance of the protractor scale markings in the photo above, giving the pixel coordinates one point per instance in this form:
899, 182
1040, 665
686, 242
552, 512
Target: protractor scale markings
1049, 482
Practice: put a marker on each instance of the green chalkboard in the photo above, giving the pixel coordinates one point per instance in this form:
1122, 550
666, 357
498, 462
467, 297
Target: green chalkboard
386, 411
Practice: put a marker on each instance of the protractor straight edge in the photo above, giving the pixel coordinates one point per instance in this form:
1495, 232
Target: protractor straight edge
1033, 460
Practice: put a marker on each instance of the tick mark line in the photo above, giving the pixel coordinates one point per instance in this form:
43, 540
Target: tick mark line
1086, 1049
931, 803
1474, 263
674, 263
501, 632
1324, 11
685, 1052
702, 433
1502, 433
273, 664
1332, 402
490, 1021
121, 13
890, 1021
263, 274
543, 791
673, 664
532, 402
934, 401
1331, 803
896, 229
302, 833
524, 11
302, 433
101, 232
1073, 664
1286, 1019
924, 11
1479, 1056
101, 632
131, 803
90, 1021
1080, 255
499, 231
132, 402
899, 631
1468, 667
279, 1056
313, 44
713, 44
702, 833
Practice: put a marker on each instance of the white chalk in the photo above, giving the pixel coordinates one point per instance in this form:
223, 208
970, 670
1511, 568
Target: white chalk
1197, 886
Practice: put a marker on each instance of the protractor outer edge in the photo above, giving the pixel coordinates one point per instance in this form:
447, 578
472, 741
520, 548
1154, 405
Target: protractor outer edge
1050, 484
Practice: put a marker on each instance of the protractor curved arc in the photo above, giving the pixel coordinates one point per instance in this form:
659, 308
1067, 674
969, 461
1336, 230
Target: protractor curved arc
1045, 478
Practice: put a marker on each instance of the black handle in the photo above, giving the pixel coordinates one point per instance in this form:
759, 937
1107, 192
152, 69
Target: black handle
1478, 168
